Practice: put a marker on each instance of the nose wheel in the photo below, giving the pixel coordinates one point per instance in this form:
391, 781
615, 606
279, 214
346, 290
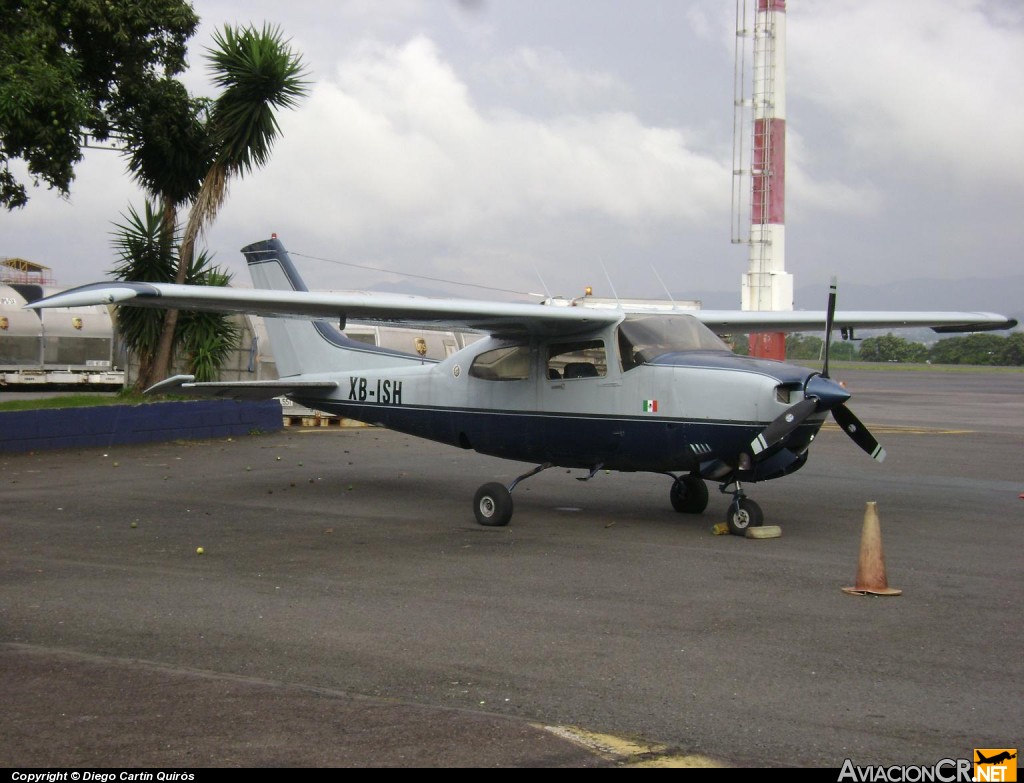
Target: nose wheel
743, 513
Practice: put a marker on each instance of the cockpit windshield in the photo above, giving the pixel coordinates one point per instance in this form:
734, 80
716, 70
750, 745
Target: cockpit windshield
643, 338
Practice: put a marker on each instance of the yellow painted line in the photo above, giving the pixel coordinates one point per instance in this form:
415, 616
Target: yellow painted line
632, 753
897, 429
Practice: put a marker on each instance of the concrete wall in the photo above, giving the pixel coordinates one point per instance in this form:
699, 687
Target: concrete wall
107, 425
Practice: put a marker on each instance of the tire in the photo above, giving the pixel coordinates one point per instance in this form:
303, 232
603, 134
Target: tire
493, 505
744, 513
689, 495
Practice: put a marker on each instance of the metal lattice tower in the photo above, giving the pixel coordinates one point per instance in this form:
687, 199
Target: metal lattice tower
766, 285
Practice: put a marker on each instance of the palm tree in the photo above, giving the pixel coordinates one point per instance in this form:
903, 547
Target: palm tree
148, 250
258, 73
145, 245
168, 153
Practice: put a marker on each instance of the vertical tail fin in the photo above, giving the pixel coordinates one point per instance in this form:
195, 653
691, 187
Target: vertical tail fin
303, 347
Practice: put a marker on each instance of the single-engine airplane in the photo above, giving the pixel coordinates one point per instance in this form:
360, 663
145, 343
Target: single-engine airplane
623, 388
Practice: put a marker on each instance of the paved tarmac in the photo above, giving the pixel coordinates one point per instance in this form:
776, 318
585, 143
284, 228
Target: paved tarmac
347, 610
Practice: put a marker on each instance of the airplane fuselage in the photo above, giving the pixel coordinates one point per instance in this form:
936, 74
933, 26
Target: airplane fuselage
676, 413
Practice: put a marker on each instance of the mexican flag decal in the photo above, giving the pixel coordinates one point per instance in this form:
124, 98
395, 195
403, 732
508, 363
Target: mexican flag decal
650, 406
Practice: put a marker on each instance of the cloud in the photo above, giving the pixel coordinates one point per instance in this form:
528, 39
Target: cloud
920, 87
810, 190
393, 145
538, 76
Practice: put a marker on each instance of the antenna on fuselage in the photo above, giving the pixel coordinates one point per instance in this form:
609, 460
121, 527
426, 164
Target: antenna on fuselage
547, 291
611, 285
667, 292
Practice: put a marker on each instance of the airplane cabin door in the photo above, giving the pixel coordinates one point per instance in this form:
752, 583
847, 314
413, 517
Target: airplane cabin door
579, 392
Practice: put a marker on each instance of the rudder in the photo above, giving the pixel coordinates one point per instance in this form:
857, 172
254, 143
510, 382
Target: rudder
304, 347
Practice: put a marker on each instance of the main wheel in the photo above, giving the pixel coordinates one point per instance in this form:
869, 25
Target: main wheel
493, 505
744, 513
689, 495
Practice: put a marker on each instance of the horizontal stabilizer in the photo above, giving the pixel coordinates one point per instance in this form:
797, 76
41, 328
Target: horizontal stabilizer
241, 390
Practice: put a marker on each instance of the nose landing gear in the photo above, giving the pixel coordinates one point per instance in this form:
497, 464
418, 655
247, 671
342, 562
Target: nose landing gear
743, 513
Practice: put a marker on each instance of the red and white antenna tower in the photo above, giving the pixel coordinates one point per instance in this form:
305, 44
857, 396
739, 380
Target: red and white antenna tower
767, 285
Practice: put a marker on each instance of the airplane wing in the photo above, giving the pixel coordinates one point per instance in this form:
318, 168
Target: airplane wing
506, 319
498, 318
743, 321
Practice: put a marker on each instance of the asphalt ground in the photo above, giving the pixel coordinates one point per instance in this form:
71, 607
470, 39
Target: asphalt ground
348, 611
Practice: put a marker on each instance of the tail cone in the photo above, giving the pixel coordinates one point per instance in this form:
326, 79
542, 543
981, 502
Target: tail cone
871, 566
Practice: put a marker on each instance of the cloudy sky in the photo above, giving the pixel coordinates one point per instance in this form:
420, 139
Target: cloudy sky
531, 144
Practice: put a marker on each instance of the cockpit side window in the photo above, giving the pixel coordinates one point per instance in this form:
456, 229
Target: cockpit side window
511, 363
581, 359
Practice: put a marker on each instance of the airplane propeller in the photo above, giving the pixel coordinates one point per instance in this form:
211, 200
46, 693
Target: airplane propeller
852, 426
821, 393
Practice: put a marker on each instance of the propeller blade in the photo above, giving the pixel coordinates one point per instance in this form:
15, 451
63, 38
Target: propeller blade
852, 426
783, 425
830, 316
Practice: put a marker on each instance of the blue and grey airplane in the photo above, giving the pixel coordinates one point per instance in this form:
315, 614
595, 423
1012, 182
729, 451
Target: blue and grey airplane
556, 383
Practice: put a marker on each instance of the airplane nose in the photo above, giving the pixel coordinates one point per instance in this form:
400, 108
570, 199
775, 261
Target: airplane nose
828, 393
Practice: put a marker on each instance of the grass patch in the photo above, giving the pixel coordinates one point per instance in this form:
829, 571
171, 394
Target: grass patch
75, 401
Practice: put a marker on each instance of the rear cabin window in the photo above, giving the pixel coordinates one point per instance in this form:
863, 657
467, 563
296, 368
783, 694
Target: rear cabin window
502, 364
584, 359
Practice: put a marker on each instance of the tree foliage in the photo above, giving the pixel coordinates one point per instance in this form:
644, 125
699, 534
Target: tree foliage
73, 69
147, 247
981, 349
76, 68
890, 348
802, 346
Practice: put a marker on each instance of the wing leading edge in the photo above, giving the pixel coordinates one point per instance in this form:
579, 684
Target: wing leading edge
498, 318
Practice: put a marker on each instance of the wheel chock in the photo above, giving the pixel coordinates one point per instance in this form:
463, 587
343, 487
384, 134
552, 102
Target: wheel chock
721, 529
764, 531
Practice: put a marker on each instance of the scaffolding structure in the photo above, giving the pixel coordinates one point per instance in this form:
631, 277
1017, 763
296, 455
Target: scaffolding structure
19, 270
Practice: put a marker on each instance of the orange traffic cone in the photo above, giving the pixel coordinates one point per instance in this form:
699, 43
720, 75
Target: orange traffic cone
871, 566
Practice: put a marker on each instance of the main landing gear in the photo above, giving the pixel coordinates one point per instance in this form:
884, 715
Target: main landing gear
492, 503
689, 494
